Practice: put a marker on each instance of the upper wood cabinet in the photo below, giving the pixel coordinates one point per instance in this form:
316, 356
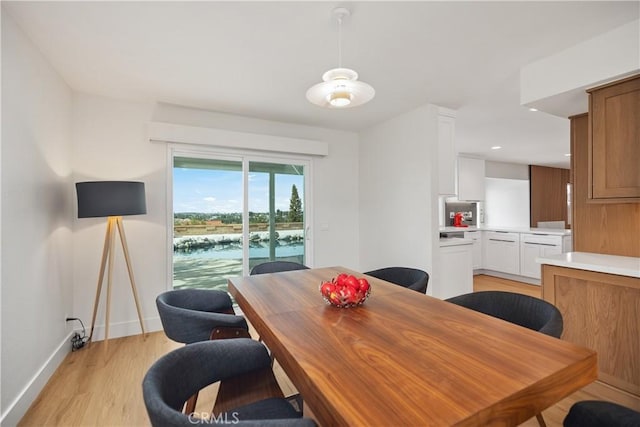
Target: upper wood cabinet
548, 194
604, 228
614, 141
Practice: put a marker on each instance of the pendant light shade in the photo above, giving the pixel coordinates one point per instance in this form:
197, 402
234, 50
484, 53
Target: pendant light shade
340, 87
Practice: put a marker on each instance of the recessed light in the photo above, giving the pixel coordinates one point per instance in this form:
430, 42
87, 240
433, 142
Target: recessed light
496, 147
568, 155
533, 109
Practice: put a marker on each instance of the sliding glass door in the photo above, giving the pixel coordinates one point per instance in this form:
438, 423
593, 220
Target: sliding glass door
276, 213
233, 212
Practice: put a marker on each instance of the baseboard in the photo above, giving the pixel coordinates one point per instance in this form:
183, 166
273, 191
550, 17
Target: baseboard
508, 276
16, 409
603, 391
19, 407
126, 329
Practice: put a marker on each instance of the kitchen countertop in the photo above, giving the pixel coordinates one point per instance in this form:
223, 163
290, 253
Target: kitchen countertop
454, 241
611, 264
550, 231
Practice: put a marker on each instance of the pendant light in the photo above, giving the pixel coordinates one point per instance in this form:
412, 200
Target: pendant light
341, 87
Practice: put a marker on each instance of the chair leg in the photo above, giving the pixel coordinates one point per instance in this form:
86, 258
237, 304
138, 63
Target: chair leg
190, 406
296, 401
541, 420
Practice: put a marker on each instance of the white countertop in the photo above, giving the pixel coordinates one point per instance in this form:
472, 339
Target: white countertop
455, 241
612, 264
550, 231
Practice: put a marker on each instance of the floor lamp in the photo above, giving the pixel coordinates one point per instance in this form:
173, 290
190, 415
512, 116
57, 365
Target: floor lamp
111, 199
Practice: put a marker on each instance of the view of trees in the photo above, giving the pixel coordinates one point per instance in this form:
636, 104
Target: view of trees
294, 214
295, 206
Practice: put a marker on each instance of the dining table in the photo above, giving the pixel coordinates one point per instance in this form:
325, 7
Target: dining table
405, 358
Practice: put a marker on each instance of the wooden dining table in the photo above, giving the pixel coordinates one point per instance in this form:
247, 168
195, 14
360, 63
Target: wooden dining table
405, 358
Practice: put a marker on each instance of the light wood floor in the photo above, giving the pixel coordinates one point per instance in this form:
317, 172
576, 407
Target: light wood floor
101, 385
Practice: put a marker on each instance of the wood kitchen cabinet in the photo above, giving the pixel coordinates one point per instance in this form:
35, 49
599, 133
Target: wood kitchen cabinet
614, 141
548, 194
606, 228
601, 312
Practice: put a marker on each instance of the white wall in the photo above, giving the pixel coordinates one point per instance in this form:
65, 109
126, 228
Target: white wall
506, 170
507, 202
556, 84
110, 142
397, 203
36, 221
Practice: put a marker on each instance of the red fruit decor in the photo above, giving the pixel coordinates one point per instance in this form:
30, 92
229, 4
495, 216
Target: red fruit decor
345, 290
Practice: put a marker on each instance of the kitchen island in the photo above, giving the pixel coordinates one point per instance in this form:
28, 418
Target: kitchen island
599, 298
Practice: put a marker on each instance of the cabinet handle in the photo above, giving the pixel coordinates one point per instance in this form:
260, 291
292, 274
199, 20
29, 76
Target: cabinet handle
540, 234
502, 240
540, 244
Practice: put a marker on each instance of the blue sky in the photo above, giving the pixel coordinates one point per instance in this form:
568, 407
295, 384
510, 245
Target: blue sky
213, 191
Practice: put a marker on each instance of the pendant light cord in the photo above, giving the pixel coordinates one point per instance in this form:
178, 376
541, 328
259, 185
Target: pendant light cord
339, 41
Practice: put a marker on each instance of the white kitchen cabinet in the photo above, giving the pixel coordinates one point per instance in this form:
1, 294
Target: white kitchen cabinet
476, 249
456, 271
446, 152
471, 174
502, 251
536, 245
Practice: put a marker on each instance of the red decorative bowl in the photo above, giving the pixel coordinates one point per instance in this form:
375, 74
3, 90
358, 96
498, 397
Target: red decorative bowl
345, 291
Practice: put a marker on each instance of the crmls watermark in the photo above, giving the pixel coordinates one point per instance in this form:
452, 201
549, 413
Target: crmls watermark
207, 418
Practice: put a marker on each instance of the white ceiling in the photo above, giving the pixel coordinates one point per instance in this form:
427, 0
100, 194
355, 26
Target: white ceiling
259, 58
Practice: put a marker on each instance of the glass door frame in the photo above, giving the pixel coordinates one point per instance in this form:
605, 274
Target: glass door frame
245, 157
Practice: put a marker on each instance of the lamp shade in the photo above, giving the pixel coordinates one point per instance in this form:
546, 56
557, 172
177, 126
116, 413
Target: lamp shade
340, 89
110, 198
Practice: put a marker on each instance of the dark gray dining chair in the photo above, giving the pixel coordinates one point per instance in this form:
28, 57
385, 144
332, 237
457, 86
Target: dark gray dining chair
596, 413
524, 310
193, 315
411, 278
242, 362
277, 267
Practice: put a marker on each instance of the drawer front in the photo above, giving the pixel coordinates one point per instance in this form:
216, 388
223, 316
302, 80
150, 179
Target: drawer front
502, 236
543, 239
473, 235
